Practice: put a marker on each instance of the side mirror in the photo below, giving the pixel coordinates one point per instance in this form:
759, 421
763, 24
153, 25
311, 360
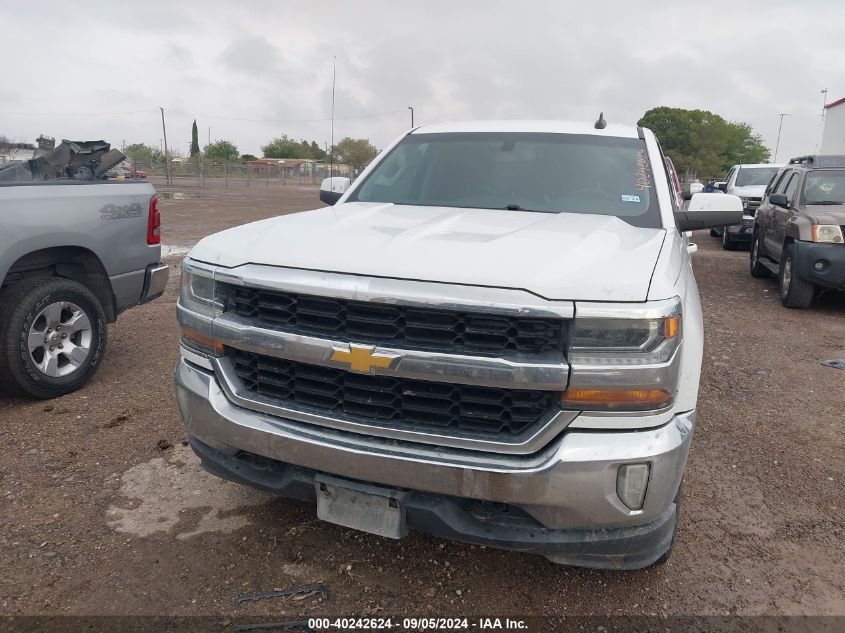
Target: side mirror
722, 186
779, 199
709, 211
687, 195
331, 189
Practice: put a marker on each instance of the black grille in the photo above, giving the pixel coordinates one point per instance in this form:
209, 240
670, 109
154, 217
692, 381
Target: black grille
399, 326
406, 403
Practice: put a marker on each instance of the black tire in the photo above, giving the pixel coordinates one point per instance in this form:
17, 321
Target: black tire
757, 269
727, 241
794, 291
714, 233
679, 497
21, 306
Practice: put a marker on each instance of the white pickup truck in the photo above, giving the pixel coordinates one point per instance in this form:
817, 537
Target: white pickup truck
493, 335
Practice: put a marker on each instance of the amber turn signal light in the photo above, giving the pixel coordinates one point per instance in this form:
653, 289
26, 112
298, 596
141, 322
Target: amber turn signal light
203, 342
637, 399
672, 326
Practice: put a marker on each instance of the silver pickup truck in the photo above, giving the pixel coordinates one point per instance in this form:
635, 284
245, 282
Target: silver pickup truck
73, 255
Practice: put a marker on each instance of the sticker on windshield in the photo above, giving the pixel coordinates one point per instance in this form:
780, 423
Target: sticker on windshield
627, 198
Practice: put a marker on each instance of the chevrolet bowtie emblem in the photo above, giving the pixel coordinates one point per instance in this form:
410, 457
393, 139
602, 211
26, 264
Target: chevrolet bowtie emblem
362, 358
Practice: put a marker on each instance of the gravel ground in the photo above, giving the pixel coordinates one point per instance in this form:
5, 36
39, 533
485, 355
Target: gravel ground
104, 510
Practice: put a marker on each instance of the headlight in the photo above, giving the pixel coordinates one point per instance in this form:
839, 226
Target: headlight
624, 358
198, 292
198, 295
830, 233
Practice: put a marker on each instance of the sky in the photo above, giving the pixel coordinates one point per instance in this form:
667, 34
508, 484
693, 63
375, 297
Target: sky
251, 71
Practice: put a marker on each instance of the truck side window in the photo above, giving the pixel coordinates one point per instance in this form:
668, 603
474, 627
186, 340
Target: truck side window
791, 187
773, 184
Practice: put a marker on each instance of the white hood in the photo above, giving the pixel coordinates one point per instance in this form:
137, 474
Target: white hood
557, 256
753, 191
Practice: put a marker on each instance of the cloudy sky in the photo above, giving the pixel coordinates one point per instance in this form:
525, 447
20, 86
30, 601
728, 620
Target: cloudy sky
254, 70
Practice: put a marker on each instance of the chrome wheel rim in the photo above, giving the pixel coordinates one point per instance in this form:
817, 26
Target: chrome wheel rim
59, 339
787, 276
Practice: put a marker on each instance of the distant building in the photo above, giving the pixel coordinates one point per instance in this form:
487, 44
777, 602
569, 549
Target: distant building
26, 151
833, 137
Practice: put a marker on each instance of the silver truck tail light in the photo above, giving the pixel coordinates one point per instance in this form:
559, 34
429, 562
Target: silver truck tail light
631, 484
154, 223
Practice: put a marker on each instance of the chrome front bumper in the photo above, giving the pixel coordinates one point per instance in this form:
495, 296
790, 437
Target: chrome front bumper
569, 484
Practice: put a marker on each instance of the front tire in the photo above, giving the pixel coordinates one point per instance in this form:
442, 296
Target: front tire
52, 337
794, 291
727, 241
757, 269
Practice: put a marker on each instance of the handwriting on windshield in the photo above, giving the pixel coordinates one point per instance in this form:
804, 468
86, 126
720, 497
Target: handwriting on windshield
642, 173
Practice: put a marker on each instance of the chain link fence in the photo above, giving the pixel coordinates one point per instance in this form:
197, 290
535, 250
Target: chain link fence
199, 173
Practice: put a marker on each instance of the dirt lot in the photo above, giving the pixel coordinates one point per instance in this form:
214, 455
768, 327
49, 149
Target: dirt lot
103, 510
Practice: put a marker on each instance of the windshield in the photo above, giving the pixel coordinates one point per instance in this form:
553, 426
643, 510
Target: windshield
825, 187
750, 176
549, 173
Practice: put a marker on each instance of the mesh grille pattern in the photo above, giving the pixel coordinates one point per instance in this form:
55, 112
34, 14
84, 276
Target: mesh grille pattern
399, 326
410, 403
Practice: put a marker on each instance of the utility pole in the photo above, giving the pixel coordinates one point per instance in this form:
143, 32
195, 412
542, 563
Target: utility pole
824, 112
777, 144
334, 75
166, 157
412, 115
209, 135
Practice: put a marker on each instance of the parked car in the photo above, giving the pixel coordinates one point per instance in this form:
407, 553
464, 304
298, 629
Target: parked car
75, 252
798, 229
748, 182
494, 335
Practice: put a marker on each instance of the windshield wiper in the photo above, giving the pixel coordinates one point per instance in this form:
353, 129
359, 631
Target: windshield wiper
826, 202
516, 207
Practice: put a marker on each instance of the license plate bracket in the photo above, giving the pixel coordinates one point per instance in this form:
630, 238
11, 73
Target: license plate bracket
361, 507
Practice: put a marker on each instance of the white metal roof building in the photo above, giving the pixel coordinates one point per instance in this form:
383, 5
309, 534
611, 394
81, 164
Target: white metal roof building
833, 137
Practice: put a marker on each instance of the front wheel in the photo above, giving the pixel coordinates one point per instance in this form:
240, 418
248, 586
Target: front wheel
52, 337
728, 243
757, 269
794, 291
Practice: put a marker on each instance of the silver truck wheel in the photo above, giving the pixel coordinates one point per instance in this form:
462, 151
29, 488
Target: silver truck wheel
52, 337
60, 339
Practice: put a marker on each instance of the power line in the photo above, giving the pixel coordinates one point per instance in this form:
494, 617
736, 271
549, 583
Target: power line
337, 118
207, 116
60, 114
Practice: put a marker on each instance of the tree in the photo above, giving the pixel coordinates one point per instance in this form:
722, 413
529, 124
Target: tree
221, 150
195, 143
355, 152
703, 143
245, 158
140, 153
285, 147
316, 152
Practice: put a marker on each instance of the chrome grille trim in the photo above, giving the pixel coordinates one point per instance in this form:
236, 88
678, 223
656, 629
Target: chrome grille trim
528, 443
546, 372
